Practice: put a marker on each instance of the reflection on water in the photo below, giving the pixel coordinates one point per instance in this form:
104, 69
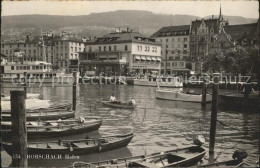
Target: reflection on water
157, 124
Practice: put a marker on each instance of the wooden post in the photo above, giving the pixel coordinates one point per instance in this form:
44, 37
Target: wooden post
25, 85
204, 92
247, 90
74, 91
19, 131
214, 110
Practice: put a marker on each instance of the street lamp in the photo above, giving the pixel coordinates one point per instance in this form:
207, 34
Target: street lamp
95, 68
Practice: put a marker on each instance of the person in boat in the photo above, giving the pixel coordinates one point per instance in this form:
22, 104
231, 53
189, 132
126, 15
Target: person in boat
132, 101
113, 99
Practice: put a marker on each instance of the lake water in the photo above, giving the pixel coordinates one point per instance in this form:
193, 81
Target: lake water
158, 125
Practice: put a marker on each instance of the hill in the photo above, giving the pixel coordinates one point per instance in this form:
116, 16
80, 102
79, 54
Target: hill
97, 24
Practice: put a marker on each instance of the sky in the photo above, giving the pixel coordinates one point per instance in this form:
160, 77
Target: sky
248, 9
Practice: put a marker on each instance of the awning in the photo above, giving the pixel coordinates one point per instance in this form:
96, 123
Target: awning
159, 59
154, 59
143, 58
137, 57
148, 58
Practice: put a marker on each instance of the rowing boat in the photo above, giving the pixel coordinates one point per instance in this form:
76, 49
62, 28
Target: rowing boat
118, 104
34, 116
52, 108
28, 96
229, 163
182, 157
180, 96
74, 147
53, 129
237, 161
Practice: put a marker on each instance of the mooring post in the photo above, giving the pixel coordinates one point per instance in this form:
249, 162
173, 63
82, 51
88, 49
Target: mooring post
19, 131
204, 92
74, 91
214, 111
25, 85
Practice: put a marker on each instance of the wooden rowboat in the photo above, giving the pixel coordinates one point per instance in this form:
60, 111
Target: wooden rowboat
55, 129
118, 104
182, 157
29, 96
237, 161
52, 108
34, 116
180, 96
230, 163
74, 147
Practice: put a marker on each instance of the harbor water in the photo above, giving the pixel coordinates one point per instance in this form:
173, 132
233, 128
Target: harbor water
158, 125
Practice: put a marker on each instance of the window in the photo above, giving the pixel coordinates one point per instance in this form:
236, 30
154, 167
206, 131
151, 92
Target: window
166, 40
167, 46
184, 51
12, 67
161, 40
185, 45
162, 64
179, 46
170, 58
172, 39
90, 49
148, 48
99, 48
105, 48
126, 48
6, 51
115, 48
168, 64
185, 39
109, 48
172, 52
179, 39
222, 44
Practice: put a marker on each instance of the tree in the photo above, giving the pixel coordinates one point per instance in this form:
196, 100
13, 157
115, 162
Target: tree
213, 61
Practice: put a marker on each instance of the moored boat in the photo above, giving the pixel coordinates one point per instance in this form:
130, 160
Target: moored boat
173, 82
118, 104
182, 157
180, 96
237, 161
34, 116
51, 108
53, 128
29, 96
75, 147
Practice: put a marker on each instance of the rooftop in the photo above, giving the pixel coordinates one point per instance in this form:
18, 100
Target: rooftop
122, 37
241, 31
172, 31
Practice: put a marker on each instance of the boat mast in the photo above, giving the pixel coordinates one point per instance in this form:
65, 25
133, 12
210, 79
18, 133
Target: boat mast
43, 47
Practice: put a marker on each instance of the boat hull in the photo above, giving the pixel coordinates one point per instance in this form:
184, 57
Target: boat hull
175, 158
118, 105
230, 163
55, 131
43, 116
178, 96
156, 84
123, 142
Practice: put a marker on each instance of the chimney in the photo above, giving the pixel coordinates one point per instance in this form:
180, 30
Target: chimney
212, 16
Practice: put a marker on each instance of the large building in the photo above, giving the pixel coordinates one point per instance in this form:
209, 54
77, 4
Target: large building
119, 53
60, 51
175, 49
202, 38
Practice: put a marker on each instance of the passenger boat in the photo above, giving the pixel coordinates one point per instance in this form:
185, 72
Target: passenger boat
118, 104
29, 96
183, 157
180, 96
53, 128
34, 116
173, 82
75, 147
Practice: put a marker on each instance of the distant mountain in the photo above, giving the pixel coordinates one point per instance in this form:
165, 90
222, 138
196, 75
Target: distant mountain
100, 23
